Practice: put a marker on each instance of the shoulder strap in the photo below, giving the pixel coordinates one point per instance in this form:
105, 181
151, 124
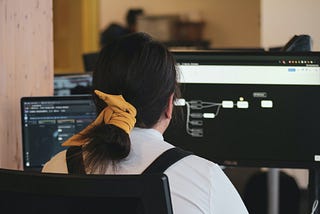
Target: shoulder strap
165, 160
75, 161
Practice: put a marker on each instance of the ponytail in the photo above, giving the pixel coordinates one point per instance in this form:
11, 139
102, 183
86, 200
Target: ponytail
106, 140
107, 144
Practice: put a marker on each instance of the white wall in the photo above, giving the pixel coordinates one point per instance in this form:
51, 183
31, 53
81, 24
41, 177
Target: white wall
282, 19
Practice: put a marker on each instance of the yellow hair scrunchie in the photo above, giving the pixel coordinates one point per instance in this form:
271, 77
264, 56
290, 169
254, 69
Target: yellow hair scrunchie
119, 113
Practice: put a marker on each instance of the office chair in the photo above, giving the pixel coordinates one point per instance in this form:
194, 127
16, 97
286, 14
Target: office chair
256, 199
298, 43
89, 61
31, 192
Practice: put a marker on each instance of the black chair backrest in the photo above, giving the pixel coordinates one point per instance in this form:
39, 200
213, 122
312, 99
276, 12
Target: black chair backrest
298, 43
89, 61
28, 192
255, 194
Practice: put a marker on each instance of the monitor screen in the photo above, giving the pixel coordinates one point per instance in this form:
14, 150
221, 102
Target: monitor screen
72, 84
249, 109
48, 121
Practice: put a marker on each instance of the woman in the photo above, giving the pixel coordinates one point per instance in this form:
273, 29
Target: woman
135, 84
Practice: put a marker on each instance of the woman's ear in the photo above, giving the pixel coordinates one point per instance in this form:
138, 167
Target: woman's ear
168, 112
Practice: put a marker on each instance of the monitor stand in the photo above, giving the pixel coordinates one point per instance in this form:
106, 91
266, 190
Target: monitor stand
273, 180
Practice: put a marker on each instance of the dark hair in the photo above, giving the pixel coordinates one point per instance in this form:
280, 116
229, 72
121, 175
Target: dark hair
143, 72
112, 32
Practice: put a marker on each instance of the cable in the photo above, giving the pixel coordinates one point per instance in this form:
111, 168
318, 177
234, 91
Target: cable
314, 206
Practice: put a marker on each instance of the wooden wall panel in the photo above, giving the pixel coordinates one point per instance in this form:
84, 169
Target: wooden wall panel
26, 67
75, 33
67, 36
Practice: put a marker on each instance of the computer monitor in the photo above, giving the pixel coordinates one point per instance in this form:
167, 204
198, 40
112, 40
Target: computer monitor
26, 192
46, 122
231, 49
249, 109
72, 84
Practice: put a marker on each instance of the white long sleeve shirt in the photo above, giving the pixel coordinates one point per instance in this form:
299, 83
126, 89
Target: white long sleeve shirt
196, 184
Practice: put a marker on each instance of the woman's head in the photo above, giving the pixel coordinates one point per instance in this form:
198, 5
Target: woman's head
142, 71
